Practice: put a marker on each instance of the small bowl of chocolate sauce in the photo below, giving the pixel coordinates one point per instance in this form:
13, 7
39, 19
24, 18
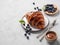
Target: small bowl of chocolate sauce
51, 36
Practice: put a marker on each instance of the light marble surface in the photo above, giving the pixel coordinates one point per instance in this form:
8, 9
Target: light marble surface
11, 32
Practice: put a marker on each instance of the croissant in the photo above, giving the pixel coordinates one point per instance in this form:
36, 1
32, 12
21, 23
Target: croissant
36, 19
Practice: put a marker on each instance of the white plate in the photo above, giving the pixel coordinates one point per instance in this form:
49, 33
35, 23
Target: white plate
34, 29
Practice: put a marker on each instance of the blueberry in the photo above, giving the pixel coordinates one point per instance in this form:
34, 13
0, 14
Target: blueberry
29, 33
27, 24
53, 9
24, 24
27, 27
35, 8
28, 37
50, 9
25, 34
46, 8
49, 5
33, 3
30, 29
39, 10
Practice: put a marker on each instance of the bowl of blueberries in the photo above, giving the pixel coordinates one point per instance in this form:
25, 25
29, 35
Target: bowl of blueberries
50, 9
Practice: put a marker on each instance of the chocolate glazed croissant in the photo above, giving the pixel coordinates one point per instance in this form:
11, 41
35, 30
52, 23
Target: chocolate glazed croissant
36, 19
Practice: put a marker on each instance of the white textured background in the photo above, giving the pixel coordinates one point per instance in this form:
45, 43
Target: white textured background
11, 11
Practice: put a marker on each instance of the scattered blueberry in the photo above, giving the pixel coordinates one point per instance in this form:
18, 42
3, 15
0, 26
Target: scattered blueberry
27, 27
28, 37
24, 24
27, 24
25, 34
39, 10
35, 8
33, 3
49, 5
29, 33
30, 29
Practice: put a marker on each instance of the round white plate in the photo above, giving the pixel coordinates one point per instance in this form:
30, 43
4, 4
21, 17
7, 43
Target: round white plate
34, 29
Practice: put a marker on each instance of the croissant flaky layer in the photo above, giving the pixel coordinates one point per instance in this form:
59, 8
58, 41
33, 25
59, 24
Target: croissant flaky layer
36, 19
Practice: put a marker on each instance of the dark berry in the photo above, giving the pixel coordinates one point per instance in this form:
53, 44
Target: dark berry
24, 24
27, 37
30, 29
25, 34
53, 10
27, 24
39, 10
27, 27
33, 3
35, 8
29, 33
49, 5
50, 9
